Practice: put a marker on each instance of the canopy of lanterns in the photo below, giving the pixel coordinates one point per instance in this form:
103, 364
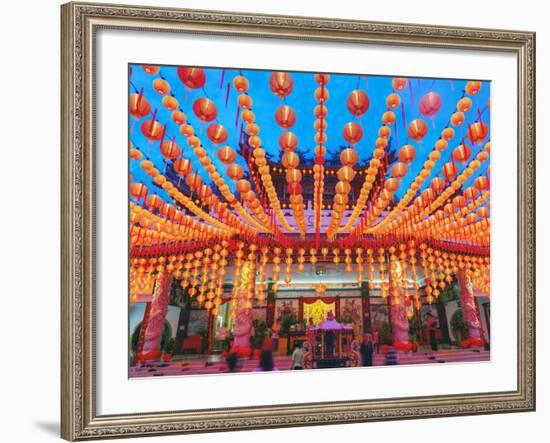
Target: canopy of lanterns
256, 169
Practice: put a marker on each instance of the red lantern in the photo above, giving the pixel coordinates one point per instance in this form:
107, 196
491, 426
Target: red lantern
353, 132
151, 70
227, 155
216, 133
139, 106
321, 95
193, 78
430, 104
182, 167
470, 193
170, 103
393, 101
294, 189
483, 212
407, 154
152, 129
243, 186
153, 202
459, 201
388, 118
204, 192
248, 116
281, 84
358, 102
170, 150
417, 129
138, 190
399, 170
449, 171
384, 131
285, 116
473, 87
437, 185
235, 172
320, 125
399, 83
179, 118
293, 176
477, 132
205, 109
391, 185
481, 183
322, 79
461, 153
240, 83
290, 160
447, 134
345, 174
320, 111
244, 101
427, 195
349, 157
161, 86
288, 141
193, 181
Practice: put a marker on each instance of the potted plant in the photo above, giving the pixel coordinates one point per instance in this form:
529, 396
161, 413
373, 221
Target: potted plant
204, 333
386, 336
261, 332
168, 350
458, 326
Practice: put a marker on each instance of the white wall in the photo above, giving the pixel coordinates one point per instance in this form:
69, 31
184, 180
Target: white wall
29, 140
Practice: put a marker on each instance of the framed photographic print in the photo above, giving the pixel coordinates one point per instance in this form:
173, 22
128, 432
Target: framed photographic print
291, 221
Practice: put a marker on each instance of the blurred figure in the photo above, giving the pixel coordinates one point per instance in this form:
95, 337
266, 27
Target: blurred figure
391, 357
308, 356
266, 361
297, 356
367, 349
275, 331
376, 341
232, 362
432, 326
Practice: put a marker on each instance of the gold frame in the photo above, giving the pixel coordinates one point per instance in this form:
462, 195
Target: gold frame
80, 21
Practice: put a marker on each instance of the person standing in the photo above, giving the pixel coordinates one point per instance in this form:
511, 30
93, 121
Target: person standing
275, 331
297, 357
432, 326
391, 357
366, 350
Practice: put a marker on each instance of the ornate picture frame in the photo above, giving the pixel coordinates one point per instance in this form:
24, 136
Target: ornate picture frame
80, 22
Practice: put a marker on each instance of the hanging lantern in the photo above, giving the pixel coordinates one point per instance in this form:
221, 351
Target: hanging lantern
170, 150
472, 87
393, 101
320, 125
240, 83
281, 84
464, 104
342, 187
216, 133
293, 176
320, 111
477, 132
417, 129
179, 118
459, 202
235, 172
138, 190
437, 185
161, 86
349, 157
384, 131
243, 186
170, 103
139, 106
186, 130
399, 83
388, 118
353, 132
441, 145
193, 78
358, 102
447, 134
182, 167
321, 95
204, 192
483, 212
345, 174
481, 183
205, 109
227, 155
288, 141
470, 193
294, 189
290, 160
427, 196
449, 171
407, 154
461, 153
285, 116
399, 170
152, 129
193, 181
151, 69
457, 119
391, 185
244, 101
322, 79
430, 105
153, 202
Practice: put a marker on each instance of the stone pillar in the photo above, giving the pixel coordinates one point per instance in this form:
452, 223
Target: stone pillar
159, 306
469, 311
398, 312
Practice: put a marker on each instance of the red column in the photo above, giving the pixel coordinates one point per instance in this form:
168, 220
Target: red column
469, 311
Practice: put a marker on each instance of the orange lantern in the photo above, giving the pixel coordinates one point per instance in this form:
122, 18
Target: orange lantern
483, 212
161, 86
293, 176
349, 157
342, 187
393, 101
459, 201
216, 133
353, 132
182, 167
285, 116
320, 111
281, 84
391, 185
417, 129
294, 189
472, 87
464, 104
235, 172
204, 192
358, 102
477, 132
152, 129
441, 144
449, 171
153, 202
151, 69
457, 119
399, 83
244, 101
407, 154
384, 131
288, 141
193, 78
193, 181
345, 174
320, 125
252, 129
399, 170
430, 104
186, 130
447, 134
240, 83
470, 193
461, 153
290, 160
388, 117
135, 154
427, 195
254, 141
170, 150
243, 186
248, 116
227, 155
139, 106
481, 183
322, 79
437, 185
170, 103
179, 118
205, 109
321, 95
138, 190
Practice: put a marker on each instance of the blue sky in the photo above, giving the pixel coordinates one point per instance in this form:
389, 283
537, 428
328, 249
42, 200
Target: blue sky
302, 101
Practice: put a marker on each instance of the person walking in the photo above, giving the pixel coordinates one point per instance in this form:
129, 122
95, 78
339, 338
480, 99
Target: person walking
366, 350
